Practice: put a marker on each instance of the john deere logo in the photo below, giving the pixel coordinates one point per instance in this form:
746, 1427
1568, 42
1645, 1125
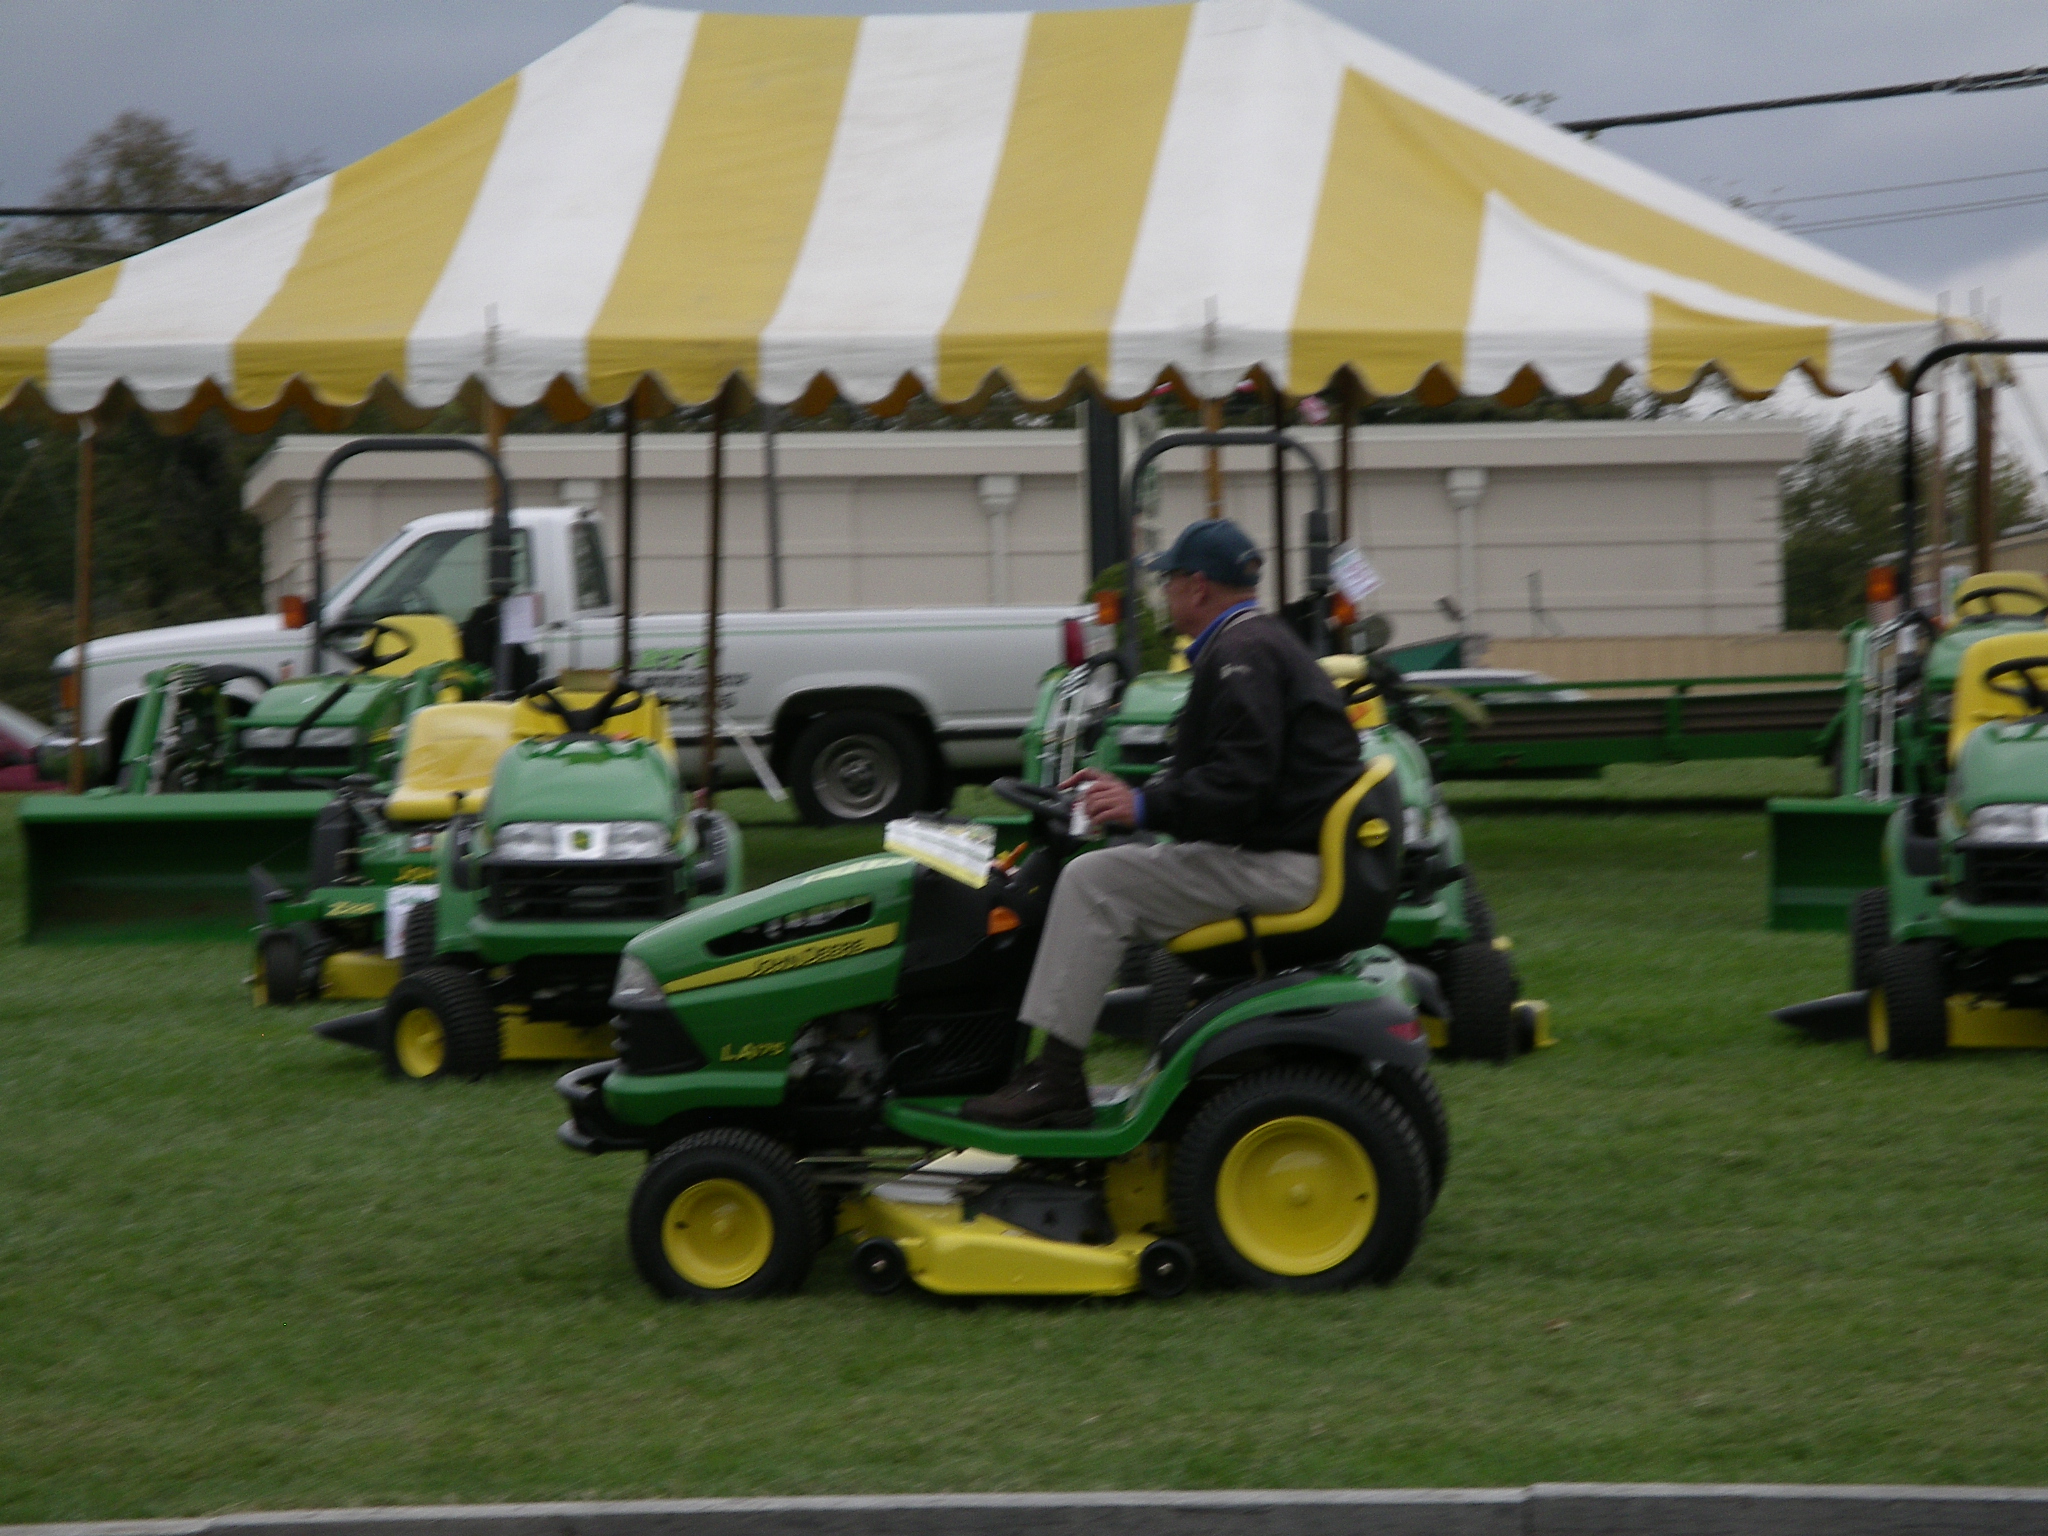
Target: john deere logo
1372, 833
580, 840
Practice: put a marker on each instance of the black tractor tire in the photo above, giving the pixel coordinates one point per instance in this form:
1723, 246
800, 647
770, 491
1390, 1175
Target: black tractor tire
1870, 930
334, 834
1135, 969
751, 1212
1479, 986
1416, 1092
1909, 1008
281, 966
1172, 981
416, 951
856, 767
1479, 920
439, 1023
1226, 1199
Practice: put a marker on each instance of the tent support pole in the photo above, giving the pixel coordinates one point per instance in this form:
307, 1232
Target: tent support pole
773, 486
1212, 459
1347, 418
1277, 407
628, 528
1983, 486
82, 607
715, 520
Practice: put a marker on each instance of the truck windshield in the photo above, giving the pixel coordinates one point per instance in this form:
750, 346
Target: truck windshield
440, 573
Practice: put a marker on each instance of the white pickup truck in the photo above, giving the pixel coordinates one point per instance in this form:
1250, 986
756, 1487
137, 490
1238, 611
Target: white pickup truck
865, 714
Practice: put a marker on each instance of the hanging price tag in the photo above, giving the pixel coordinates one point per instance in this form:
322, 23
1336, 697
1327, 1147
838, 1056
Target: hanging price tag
1353, 575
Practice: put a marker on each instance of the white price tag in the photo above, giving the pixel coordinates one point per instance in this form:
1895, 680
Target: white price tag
521, 618
961, 849
398, 901
1353, 575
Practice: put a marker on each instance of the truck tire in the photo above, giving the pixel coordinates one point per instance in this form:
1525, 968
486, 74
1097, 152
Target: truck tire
857, 766
1479, 985
1870, 930
1909, 1007
724, 1215
438, 1023
1300, 1179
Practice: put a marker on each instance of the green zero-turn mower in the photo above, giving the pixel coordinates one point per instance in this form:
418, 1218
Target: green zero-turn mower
1952, 950
792, 1062
580, 844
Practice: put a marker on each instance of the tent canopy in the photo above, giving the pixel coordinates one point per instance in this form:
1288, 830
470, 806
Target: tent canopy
878, 204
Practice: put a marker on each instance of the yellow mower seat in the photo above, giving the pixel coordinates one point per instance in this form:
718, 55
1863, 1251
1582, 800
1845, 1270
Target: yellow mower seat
450, 750
1349, 674
1977, 702
432, 636
2029, 596
1354, 829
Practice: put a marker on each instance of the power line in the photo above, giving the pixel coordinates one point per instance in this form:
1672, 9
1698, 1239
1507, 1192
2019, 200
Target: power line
1904, 186
2008, 80
181, 210
1911, 215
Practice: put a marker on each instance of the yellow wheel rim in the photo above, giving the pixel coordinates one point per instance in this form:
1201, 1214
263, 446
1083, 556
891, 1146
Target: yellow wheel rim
1880, 1024
1297, 1195
717, 1234
419, 1044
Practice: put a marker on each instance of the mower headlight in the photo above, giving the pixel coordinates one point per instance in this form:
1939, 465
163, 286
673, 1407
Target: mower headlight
279, 736
525, 840
635, 986
1141, 735
636, 840
2010, 824
575, 841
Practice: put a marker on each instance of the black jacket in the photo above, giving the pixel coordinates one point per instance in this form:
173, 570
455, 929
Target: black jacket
1261, 749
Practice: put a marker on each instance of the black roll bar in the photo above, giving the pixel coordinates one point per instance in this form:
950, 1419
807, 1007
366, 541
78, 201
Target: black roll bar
499, 568
1318, 519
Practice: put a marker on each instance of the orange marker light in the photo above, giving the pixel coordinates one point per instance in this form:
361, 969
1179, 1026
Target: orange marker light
1002, 920
1109, 607
1882, 584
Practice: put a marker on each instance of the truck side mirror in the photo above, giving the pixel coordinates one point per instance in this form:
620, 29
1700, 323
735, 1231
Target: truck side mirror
293, 607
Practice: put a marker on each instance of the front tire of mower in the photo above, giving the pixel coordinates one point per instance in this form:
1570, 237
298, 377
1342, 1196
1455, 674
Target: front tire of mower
416, 944
438, 1023
723, 1215
1870, 930
281, 966
1479, 985
1300, 1179
1909, 1005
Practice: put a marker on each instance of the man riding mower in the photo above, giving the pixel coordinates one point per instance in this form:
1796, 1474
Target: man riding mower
1952, 951
580, 845
779, 1052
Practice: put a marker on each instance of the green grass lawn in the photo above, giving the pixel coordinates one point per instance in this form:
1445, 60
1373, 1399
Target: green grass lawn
241, 1270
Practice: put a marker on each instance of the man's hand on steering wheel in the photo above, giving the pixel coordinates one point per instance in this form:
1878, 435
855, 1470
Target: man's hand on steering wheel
1106, 799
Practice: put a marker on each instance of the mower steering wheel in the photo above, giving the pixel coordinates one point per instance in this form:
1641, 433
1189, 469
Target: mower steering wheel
2040, 605
620, 699
363, 656
1050, 808
2029, 691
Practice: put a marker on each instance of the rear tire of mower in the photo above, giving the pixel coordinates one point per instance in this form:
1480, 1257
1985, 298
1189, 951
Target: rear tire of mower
1416, 1092
1310, 1140
1479, 985
1479, 922
1909, 1008
439, 1023
1870, 930
723, 1215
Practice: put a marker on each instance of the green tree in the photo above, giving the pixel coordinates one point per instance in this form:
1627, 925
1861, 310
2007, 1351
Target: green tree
1841, 516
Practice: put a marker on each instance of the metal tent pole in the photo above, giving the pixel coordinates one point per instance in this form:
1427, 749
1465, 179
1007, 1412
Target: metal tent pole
1279, 502
82, 606
1347, 417
1983, 487
771, 486
629, 523
715, 537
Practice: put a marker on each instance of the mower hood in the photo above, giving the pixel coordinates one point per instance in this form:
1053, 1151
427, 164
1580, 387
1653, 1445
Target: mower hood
2003, 763
582, 778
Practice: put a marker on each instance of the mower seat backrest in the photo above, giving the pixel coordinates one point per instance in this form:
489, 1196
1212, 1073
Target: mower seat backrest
1977, 702
2007, 603
433, 638
1349, 673
1360, 852
450, 750
648, 722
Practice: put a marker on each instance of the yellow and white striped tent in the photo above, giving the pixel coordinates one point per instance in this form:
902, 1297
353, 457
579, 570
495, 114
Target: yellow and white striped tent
873, 205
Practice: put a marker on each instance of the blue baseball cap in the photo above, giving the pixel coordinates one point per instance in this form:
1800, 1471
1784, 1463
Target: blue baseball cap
1214, 547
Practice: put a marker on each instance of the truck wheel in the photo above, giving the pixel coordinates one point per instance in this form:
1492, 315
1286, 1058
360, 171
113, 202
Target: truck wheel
438, 1023
416, 953
1300, 1179
723, 1215
1870, 930
279, 963
1909, 1007
856, 765
1479, 985
1416, 1092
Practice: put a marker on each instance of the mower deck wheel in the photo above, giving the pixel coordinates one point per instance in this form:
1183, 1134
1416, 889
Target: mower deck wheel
281, 966
1479, 985
723, 1215
1300, 1179
438, 1022
1909, 1005
1870, 930
879, 1267
1165, 1269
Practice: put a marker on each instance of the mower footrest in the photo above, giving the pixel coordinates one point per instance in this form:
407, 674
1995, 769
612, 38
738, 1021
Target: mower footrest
357, 1029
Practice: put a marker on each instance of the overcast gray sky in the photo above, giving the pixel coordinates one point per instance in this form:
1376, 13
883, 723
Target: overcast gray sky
338, 78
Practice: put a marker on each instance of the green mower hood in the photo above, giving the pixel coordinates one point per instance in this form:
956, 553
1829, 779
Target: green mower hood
583, 778
2003, 763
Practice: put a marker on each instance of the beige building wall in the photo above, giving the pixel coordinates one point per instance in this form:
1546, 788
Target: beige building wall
1631, 528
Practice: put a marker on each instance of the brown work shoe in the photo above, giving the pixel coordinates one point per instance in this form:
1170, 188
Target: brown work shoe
1049, 1092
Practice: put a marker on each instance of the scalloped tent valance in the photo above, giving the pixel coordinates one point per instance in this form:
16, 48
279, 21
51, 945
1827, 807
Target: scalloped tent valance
873, 205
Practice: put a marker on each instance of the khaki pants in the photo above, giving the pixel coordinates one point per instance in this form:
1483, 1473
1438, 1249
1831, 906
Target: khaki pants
1107, 898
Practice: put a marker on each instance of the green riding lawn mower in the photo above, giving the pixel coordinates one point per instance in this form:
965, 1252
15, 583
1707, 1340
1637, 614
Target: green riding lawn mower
791, 1061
